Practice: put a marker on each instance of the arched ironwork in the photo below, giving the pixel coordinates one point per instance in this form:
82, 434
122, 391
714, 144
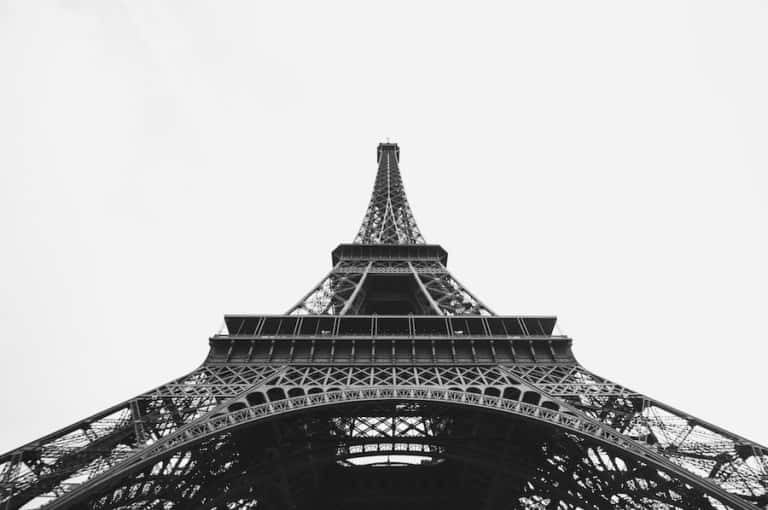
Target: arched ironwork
217, 423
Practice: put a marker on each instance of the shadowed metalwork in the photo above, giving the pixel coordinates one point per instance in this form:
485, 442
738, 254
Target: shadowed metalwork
388, 384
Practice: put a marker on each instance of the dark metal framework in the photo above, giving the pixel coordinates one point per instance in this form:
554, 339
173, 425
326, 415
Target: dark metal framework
388, 384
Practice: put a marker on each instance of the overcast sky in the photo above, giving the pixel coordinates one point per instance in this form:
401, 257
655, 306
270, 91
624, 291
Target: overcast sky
165, 163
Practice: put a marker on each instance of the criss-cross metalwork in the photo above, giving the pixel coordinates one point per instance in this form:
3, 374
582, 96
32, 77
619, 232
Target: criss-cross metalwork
388, 219
388, 384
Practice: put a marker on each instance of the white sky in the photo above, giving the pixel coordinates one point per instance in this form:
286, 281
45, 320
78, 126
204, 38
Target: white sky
164, 163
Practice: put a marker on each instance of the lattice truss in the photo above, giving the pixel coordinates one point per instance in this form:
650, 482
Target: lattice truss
214, 398
390, 438
388, 219
734, 463
473, 457
449, 297
53, 465
342, 290
335, 294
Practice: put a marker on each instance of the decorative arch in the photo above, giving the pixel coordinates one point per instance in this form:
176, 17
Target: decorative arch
238, 417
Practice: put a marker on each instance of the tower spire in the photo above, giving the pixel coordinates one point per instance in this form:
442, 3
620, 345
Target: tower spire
388, 219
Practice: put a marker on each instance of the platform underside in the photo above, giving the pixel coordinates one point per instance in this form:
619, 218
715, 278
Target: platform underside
397, 455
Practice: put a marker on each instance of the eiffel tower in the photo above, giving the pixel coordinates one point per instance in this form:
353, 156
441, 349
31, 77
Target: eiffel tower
389, 384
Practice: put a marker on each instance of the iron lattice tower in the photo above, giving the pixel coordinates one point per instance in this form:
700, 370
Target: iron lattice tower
388, 385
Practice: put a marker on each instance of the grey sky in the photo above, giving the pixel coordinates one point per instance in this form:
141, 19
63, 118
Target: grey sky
164, 163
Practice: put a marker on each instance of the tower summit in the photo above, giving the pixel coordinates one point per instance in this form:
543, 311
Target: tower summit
389, 384
388, 219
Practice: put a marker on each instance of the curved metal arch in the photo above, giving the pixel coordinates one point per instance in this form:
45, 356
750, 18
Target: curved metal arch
218, 423
476, 455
